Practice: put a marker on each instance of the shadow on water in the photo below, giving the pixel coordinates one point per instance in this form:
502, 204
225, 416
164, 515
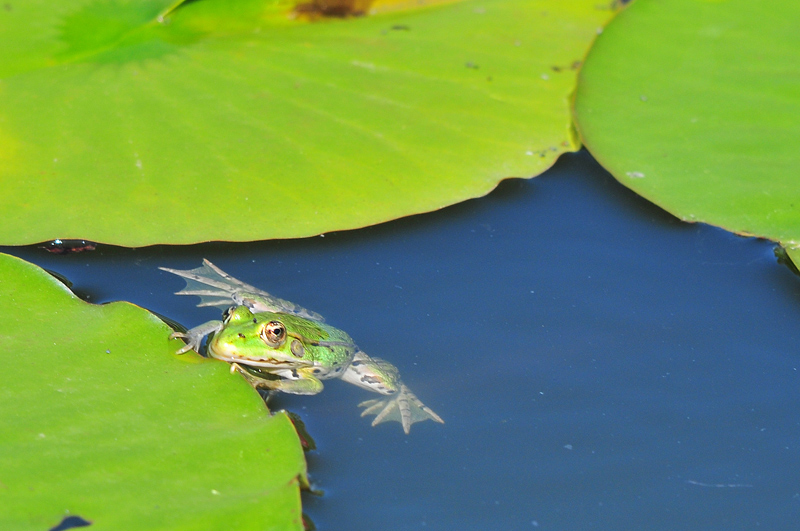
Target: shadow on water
599, 364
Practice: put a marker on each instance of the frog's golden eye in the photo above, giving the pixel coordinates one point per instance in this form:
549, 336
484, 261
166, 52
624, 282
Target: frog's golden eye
273, 333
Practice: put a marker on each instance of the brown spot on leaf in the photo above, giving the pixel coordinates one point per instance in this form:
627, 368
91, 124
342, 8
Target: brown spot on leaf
316, 9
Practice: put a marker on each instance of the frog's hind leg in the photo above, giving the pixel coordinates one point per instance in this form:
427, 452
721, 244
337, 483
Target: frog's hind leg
382, 377
406, 409
373, 374
217, 288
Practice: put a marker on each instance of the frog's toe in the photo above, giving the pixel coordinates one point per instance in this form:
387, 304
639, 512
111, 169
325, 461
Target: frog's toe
192, 342
404, 407
186, 348
384, 409
194, 337
373, 407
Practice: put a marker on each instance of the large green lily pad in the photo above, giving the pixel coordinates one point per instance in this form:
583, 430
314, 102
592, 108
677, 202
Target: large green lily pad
100, 419
694, 104
134, 123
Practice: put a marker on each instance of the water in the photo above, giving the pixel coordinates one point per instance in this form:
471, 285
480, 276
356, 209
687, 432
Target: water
599, 364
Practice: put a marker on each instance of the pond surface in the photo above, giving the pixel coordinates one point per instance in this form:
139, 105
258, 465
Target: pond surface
598, 364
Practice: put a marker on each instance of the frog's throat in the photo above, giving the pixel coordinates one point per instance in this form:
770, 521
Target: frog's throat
266, 361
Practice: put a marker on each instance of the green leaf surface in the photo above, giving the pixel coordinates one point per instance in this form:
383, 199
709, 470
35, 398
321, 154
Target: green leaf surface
694, 104
133, 123
100, 419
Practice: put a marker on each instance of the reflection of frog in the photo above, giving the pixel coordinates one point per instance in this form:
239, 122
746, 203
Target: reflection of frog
279, 346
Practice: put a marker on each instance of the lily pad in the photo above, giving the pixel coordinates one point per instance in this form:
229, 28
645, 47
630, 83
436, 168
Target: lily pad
100, 420
693, 104
143, 122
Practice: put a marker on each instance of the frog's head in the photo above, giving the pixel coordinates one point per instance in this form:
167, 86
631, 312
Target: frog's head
260, 340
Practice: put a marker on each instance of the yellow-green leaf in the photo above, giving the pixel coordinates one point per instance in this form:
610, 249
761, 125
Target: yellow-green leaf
101, 420
694, 104
142, 122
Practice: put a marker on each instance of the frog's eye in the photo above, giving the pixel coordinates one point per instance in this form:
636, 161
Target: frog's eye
273, 333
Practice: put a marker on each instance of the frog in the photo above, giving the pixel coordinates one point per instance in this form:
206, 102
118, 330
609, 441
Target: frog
278, 346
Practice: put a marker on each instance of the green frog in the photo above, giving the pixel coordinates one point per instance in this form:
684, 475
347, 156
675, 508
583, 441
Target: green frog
277, 345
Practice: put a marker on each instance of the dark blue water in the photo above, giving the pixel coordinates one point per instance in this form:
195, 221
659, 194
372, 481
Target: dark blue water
599, 364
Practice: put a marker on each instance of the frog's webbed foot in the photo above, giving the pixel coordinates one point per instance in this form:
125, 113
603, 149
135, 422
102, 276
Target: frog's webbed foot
217, 288
194, 337
403, 407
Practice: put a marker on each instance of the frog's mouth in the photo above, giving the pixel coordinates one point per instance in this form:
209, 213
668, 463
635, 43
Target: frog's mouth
266, 361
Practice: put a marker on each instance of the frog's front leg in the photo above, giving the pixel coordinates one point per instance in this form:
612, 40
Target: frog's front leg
382, 377
194, 337
294, 381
